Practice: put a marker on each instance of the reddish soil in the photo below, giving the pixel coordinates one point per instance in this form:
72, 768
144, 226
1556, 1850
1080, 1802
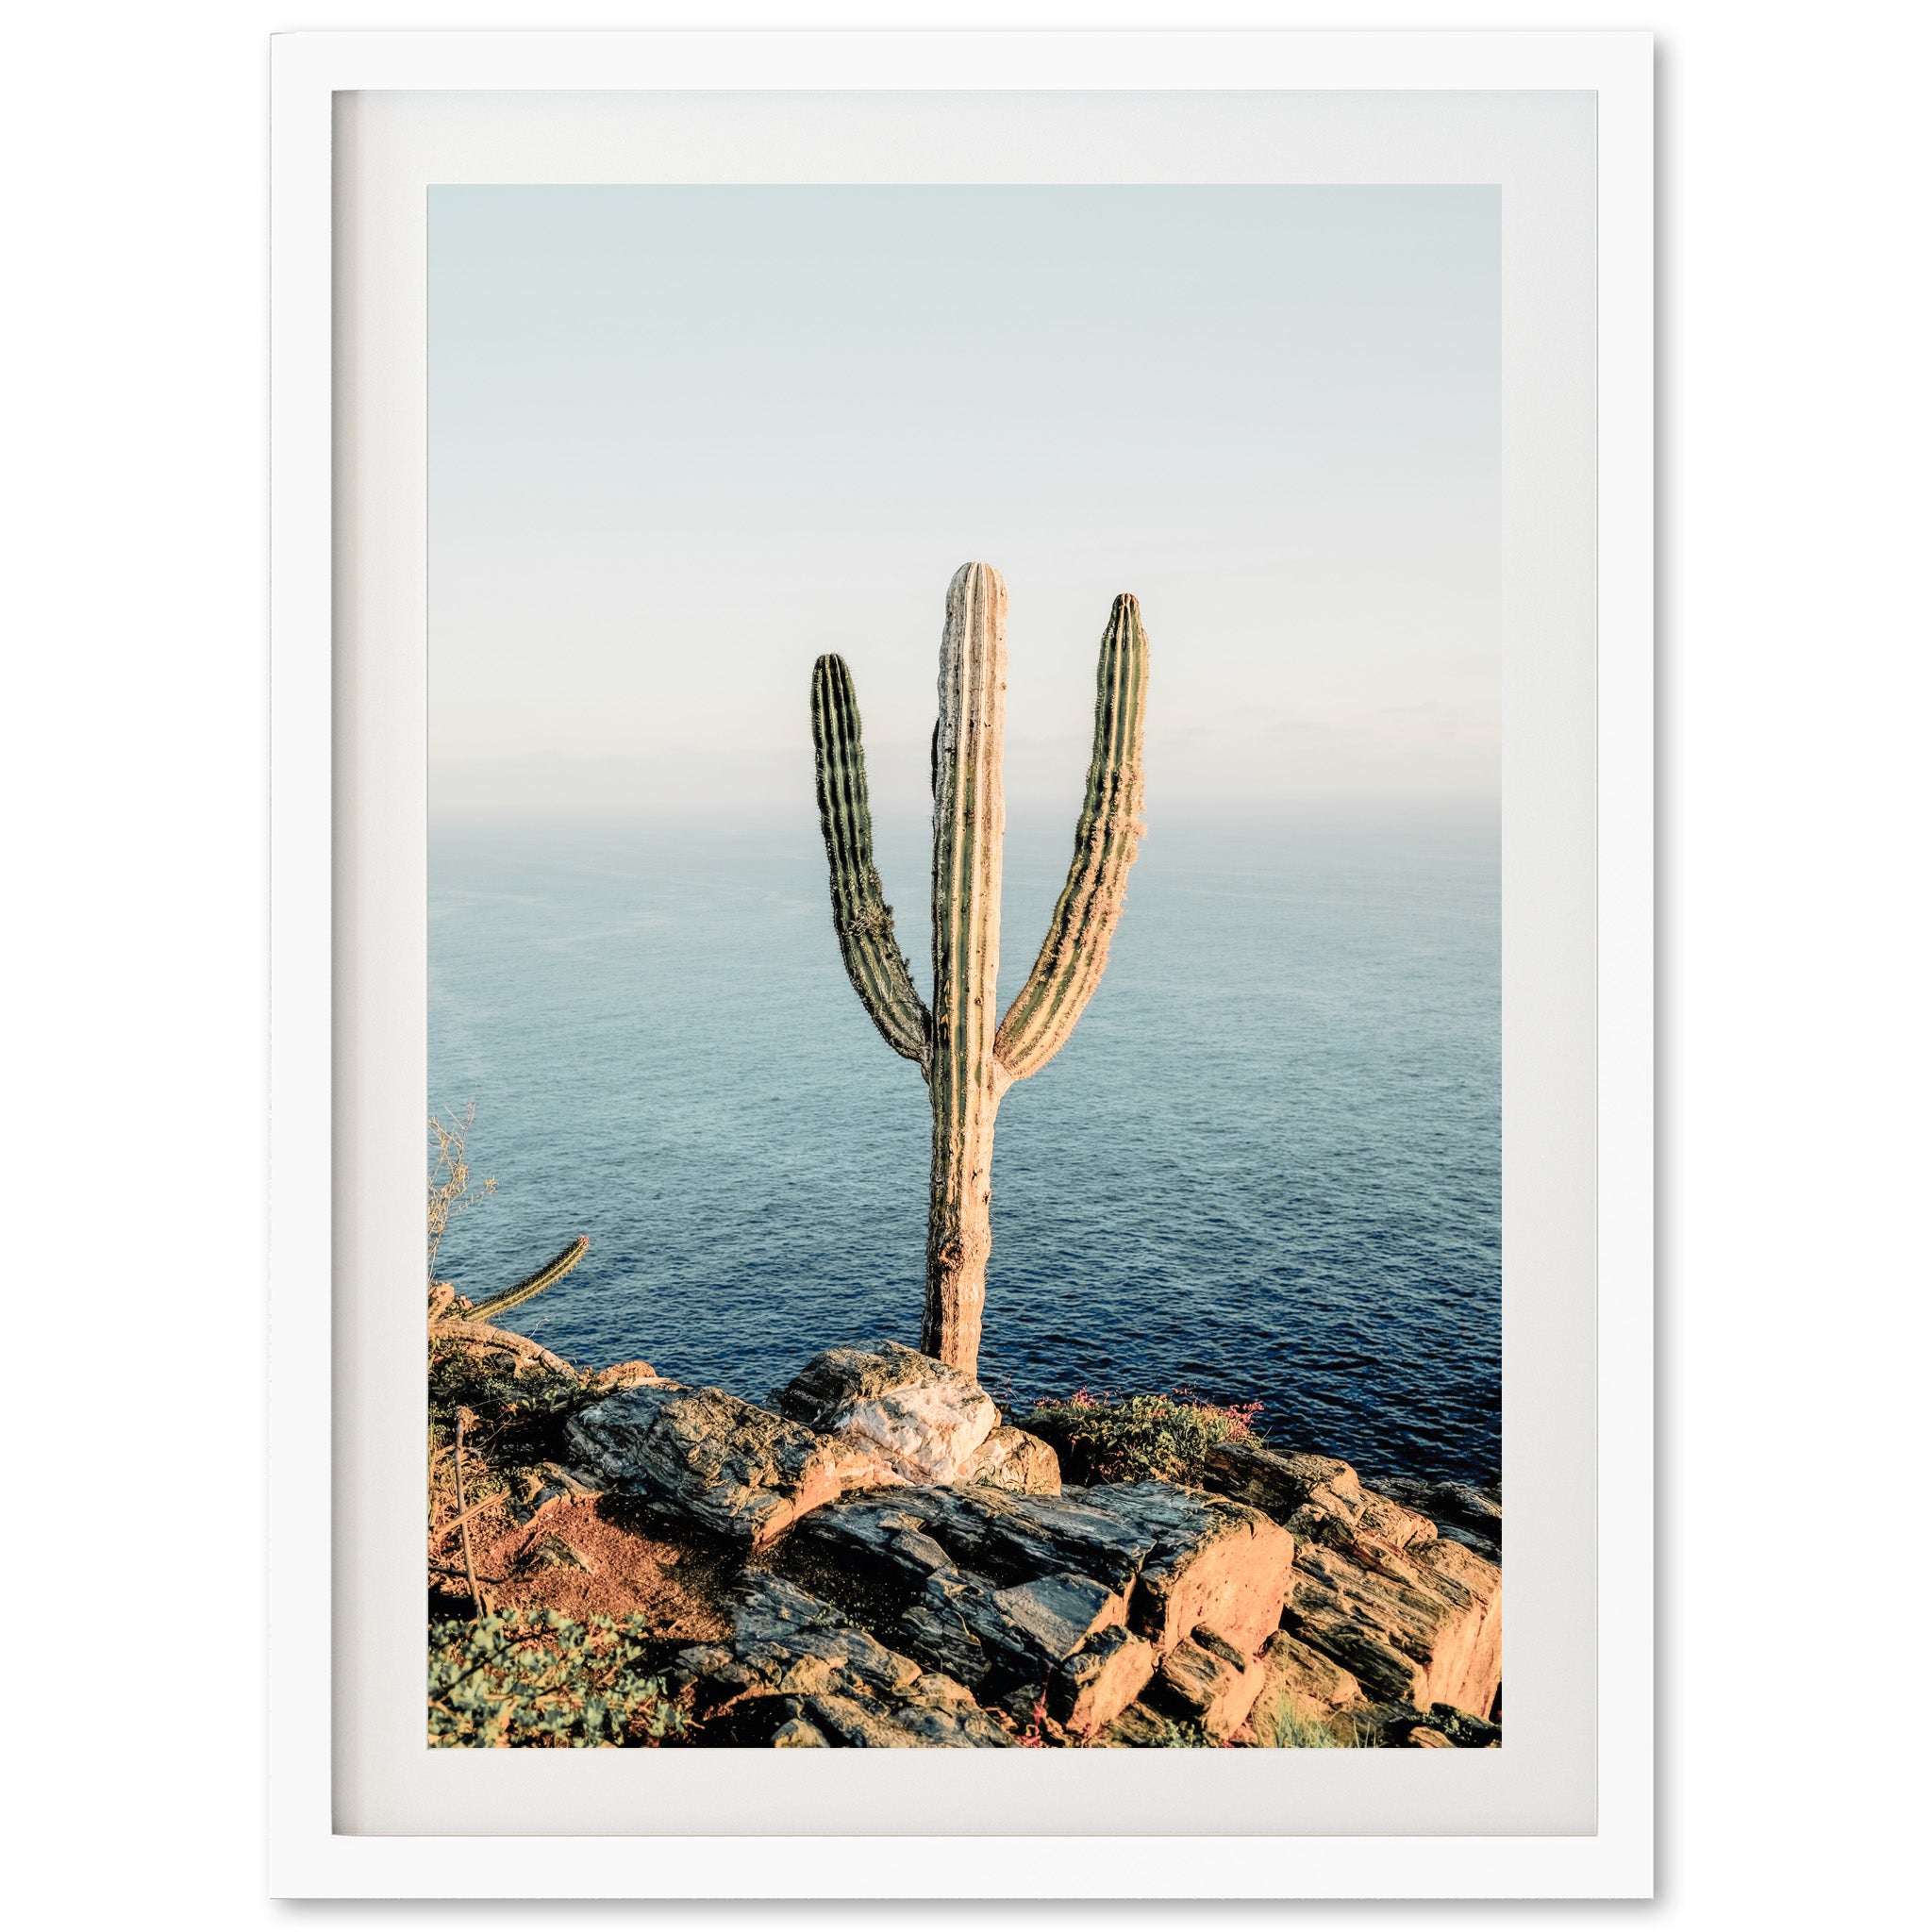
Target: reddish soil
631, 1574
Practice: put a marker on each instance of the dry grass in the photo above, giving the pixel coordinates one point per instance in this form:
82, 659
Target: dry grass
449, 1173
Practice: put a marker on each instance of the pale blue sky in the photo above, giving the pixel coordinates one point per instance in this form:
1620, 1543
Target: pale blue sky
685, 439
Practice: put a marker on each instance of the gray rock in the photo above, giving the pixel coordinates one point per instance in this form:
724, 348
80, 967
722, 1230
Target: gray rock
1017, 1539
1007, 1538
882, 1538
1463, 1729
553, 1553
1209, 1560
1060, 1612
792, 1658
864, 1723
1469, 1515
699, 1455
959, 1627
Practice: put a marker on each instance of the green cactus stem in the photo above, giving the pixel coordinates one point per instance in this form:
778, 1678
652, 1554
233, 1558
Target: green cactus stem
1074, 957
879, 971
968, 1062
552, 1272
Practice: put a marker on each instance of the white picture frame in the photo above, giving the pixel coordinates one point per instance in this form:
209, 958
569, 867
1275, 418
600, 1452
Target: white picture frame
318, 819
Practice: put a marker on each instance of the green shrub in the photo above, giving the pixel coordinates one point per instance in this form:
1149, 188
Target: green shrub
1102, 1439
504, 1394
1172, 1735
533, 1677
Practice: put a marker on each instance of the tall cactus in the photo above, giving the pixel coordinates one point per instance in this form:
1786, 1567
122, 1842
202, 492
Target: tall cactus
967, 1065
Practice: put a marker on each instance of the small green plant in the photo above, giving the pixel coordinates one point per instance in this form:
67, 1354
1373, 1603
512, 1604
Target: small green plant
1172, 1735
1105, 1438
504, 1394
534, 1678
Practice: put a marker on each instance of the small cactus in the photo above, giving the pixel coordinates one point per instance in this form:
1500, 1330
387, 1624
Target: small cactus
967, 1061
552, 1272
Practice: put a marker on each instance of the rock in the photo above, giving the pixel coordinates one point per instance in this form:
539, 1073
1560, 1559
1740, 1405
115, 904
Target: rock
1091, 1687
792, 1657
1464, 1730
1000, 1630
1137, 1728
959, 1627
1015, 1538
1416, 1617
554, 1483
1210, 1561
1467, 1514
479, 1337
1003, 1538
1011, 1459
1205, 1680
1388, 1522
705, 1458
1415, 1627
553, 1553
1280, 1483
622, 1375
865, 1724
1422, 1739
795, 1733
1466, 1660
1007, 1644
879, 1539
1060, 1612
1002, 1592
1141, 1728
924, 1419
1298, 1682
1383, 1672
1308, 1674
1314, 1497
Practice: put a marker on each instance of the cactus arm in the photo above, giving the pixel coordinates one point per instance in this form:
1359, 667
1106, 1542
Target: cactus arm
548, 1275
877, 968
969, 825
552, 1272
1074, 955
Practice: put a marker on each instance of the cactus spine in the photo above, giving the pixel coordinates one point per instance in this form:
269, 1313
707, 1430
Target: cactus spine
552, 1272
968, 1063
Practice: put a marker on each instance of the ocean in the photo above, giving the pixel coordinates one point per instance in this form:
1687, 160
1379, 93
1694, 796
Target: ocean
1267, 1167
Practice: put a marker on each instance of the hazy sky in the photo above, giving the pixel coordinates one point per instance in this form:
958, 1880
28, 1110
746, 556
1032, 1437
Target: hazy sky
683, 439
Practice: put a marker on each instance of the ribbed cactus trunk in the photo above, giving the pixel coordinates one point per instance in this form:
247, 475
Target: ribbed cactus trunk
968, 1062
969, 825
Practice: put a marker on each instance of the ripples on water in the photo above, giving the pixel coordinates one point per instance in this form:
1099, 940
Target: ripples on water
1268, 1164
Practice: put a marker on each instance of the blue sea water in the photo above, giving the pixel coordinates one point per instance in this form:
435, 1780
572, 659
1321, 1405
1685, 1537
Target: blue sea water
1267, 1167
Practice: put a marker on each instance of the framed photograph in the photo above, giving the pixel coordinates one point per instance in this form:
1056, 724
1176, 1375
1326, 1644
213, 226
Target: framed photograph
962, 840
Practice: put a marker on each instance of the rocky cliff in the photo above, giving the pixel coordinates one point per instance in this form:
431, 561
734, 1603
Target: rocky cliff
894, 1567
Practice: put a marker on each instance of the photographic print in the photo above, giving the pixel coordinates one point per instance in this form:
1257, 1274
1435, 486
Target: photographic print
964, 1150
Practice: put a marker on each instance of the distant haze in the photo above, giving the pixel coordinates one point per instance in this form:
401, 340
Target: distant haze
683, 439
